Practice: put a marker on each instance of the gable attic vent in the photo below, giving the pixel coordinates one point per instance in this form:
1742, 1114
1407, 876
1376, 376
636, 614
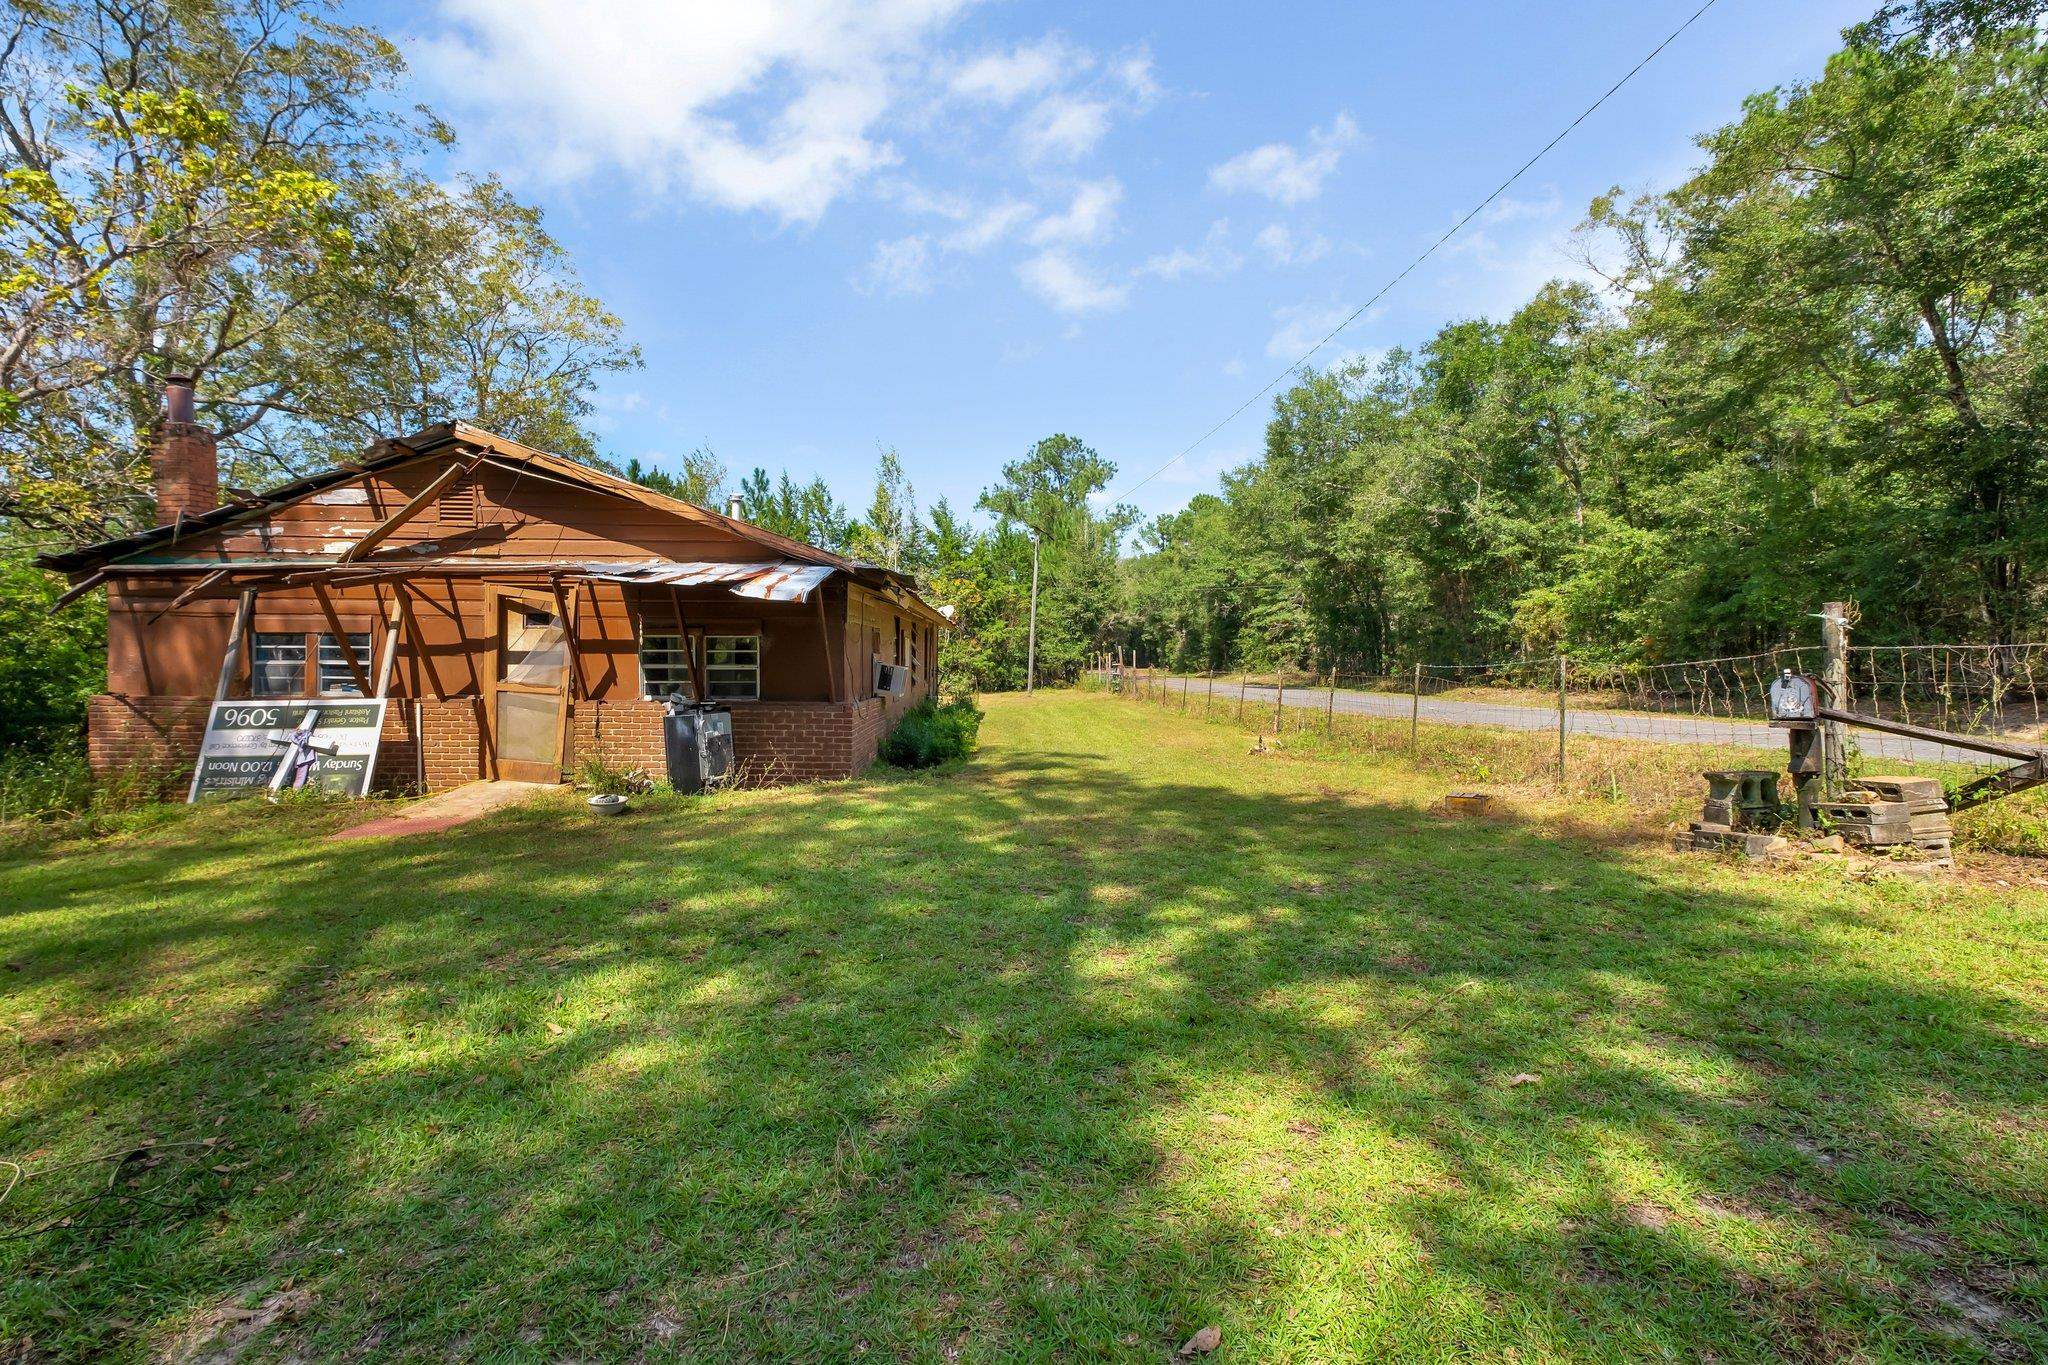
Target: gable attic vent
457, 506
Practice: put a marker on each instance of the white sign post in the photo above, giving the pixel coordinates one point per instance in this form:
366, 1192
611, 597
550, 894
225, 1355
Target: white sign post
273, 746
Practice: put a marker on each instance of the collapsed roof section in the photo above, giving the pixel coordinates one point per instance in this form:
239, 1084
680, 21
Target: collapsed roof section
795, 571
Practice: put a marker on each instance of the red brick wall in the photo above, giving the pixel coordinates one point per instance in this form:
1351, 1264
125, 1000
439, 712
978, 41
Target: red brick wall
774, 742
453, 739
162, 734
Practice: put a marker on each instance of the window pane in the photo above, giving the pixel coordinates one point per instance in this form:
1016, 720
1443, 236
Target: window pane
732, 667
664, 667
529, 727
335, 679
277, 665
535, 652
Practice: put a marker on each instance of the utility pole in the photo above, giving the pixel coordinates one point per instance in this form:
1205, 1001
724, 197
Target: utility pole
1031, 639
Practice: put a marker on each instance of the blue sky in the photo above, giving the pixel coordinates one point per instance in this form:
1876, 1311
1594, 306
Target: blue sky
953, 228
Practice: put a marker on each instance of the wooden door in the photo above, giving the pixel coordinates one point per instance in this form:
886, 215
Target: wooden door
526, 686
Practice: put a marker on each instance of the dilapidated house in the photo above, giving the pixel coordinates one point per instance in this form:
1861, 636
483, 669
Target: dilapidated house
523, 610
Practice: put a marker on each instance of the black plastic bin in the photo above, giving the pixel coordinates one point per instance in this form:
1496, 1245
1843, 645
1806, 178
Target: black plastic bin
698, 738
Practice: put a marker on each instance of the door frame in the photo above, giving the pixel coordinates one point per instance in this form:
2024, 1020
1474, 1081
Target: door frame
524, 770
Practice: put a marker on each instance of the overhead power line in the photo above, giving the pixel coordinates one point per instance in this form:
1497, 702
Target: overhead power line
1431, 250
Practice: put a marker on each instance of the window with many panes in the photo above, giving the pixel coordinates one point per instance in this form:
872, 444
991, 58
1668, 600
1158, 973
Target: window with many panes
277, 664
732, 667
665, 667
335, 678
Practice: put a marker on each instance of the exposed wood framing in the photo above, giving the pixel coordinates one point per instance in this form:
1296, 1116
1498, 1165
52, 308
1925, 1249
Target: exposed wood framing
78, 590
690, 651
419, 642
186, 596
238, 635
348, 653
570, 680
2030, 774
1974, 743
573, 682
384, 665
378, 533
832, 666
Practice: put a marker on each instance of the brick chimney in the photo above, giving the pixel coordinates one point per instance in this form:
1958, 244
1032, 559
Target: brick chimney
184, 462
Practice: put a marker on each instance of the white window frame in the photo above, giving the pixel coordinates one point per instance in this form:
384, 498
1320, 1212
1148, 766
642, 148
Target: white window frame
673, 645
344, 683
286, 640
720, 678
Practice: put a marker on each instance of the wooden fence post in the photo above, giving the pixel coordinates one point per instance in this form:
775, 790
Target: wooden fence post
1834, 646
1330, 710
1279, 698
1561, 666
1415, 714
1242, 679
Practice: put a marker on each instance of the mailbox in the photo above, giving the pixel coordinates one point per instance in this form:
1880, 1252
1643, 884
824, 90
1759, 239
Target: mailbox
1792, 700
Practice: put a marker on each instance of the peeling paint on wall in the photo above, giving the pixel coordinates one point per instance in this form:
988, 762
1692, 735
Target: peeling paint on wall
355, 496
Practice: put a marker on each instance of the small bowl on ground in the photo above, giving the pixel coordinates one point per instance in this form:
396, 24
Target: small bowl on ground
608, 804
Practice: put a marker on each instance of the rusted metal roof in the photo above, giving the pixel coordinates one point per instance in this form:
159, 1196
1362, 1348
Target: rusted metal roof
783, 581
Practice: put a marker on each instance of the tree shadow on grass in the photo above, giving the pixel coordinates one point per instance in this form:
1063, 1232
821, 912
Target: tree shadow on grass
1043, 1058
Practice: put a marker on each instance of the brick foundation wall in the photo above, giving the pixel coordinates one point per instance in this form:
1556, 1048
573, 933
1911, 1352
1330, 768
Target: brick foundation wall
144, 736
774, 742
161, 735
451, 735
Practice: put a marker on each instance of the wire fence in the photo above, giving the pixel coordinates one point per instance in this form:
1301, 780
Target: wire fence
1641, 730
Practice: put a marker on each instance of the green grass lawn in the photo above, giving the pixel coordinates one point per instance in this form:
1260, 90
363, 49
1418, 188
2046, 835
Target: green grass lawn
1116, 1032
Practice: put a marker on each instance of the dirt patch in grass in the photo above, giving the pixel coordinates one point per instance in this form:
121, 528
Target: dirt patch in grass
220, 1333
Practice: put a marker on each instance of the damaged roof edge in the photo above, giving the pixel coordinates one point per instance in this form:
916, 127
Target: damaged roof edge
422, 444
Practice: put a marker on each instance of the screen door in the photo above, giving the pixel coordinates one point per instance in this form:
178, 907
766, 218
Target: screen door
528, 685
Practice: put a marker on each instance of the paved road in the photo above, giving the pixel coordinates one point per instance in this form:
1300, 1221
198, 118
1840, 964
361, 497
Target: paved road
1610, 724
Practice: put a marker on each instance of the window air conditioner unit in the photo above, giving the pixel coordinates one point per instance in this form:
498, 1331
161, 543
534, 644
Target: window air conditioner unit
890, 679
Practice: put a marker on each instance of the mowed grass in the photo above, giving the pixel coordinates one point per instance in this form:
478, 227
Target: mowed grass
1116, 1032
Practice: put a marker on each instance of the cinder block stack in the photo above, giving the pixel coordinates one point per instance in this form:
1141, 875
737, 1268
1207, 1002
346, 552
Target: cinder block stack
1741, 813
1889, 814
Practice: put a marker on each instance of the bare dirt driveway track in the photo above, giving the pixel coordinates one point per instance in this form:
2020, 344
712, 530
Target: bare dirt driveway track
1636, 725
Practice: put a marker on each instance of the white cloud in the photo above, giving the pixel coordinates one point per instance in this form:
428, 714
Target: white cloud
1233, 367
1301, 326
1063, 128
1068, 286
1284, 173
1512, 210
1135, 71
755, 107
1006, 77
900, 267
1087, 219
985, 228
1212, 258
1282, 246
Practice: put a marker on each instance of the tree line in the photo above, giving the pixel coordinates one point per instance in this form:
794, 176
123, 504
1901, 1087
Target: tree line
1815, 370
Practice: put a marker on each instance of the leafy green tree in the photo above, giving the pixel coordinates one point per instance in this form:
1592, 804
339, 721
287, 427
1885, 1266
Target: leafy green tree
891, 534
223, 188
700, 478
1049, 496
806, 512
53, 663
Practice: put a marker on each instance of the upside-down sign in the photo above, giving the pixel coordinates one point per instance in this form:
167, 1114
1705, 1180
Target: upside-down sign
274, 746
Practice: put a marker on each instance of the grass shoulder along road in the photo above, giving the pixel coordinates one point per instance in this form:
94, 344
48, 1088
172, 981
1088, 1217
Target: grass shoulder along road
1113, 1033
